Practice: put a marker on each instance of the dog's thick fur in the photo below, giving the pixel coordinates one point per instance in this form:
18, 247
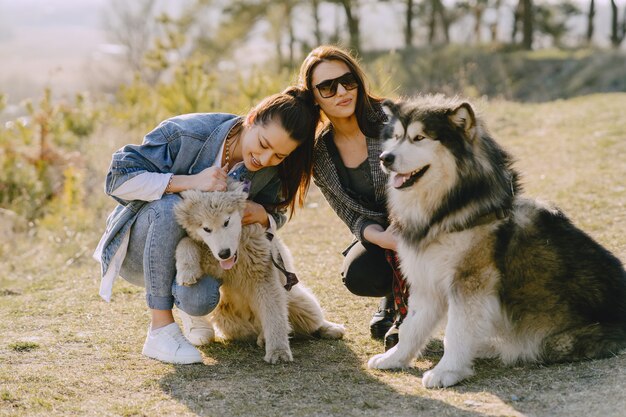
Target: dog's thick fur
514, 277
253, 302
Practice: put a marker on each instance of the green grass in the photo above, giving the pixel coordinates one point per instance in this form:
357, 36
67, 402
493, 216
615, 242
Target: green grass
23, 346
64, 351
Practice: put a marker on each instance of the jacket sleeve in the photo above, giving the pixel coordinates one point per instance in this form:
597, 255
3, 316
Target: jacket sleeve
156, 154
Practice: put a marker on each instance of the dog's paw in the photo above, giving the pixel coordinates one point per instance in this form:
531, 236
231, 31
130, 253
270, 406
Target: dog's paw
441, 378
260, 341
331, 330
386, 360
278, 355
186, 278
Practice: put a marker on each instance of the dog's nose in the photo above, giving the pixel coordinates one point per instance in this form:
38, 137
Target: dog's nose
224, 254
387, 158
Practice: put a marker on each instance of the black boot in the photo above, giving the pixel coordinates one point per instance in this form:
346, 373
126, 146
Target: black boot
383, 319
391, 338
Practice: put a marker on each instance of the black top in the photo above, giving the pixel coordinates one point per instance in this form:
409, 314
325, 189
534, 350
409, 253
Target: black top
356, 182
360, 181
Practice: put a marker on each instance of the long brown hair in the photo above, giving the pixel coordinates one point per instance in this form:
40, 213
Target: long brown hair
295, 110
368, 113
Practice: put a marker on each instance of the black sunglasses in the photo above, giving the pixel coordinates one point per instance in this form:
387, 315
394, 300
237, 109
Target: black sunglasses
328, 88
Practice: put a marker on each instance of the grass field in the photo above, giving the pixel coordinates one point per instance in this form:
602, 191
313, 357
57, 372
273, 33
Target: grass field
64, 351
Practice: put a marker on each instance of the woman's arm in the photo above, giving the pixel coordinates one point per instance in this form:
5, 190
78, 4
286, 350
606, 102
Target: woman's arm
255, 213
263, 206
380, 236
138, 172
209, 179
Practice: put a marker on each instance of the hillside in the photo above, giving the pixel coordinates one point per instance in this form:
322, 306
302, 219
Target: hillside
64, 351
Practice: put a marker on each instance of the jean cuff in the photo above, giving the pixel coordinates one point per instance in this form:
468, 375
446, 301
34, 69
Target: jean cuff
160, 303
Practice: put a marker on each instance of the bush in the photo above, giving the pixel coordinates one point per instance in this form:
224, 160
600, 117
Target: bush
40, 152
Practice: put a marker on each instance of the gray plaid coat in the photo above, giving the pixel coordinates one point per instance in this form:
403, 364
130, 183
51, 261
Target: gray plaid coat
352, 212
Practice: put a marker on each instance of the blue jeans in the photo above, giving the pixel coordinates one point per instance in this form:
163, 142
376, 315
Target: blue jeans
150, 262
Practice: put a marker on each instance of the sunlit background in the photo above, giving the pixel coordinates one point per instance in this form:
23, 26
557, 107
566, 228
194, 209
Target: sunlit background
96, 44
81, 78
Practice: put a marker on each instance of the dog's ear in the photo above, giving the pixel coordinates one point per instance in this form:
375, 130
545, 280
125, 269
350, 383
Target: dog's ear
234, 185
463, 117
390, 109
184, 208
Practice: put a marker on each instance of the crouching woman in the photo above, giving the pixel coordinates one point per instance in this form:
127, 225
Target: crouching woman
271, 148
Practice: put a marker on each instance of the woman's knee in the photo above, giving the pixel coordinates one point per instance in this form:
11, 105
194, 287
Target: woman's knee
367, 277
162, 215
364, 286
198, 299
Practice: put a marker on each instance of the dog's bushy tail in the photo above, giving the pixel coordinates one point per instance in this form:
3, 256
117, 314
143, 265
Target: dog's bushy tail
593, 341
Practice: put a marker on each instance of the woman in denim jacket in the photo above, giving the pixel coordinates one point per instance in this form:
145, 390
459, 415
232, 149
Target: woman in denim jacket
271, 148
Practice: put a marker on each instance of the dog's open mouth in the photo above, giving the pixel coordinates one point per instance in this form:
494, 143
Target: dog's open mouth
228, 263
406, 180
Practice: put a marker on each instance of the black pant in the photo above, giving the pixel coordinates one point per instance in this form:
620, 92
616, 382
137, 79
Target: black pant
366, 271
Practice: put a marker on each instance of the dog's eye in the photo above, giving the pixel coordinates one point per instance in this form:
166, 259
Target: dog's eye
206, 229
226, 222
417, 138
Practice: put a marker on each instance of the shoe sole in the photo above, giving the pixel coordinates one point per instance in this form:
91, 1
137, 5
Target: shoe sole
177, 360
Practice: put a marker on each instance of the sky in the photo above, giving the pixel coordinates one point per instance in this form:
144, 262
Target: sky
48, 42
62, 43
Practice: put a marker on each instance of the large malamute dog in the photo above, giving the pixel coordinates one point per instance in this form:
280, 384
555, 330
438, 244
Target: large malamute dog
515, 278
254, 304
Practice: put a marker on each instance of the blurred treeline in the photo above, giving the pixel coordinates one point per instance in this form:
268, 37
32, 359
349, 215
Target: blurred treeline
184, 58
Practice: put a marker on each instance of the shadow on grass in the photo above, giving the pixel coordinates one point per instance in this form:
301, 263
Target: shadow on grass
326, 378
592, 388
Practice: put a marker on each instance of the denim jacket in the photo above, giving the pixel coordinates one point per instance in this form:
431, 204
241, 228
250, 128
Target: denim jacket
183, 145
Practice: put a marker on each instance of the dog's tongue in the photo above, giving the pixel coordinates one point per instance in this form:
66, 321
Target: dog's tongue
228, 263
399, 179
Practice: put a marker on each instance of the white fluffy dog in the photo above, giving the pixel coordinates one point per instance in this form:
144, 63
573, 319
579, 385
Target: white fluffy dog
254, 302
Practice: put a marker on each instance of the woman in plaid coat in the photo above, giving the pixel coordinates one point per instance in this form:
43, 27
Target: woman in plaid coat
347, 171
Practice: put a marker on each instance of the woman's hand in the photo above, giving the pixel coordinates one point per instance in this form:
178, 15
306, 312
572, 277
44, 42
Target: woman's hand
384, 238
210, 179
255, 213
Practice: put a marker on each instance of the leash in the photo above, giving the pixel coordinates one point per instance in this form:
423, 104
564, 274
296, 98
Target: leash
292, 279
398, 287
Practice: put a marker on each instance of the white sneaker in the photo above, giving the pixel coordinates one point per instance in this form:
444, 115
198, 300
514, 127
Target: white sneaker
196, 329
169, 345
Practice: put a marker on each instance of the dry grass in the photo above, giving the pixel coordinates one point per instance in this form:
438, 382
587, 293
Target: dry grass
66, 352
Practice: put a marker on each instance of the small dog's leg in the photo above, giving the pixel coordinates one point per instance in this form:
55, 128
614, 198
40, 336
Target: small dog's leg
468, 325
425, 312
271, 301
306, 315
188, 262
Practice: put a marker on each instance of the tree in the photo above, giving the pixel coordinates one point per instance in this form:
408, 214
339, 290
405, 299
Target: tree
437, 19
618, 30
408, 25
280, 16
590, 17
523, 16
315, 6
551, 19
132, 25
477, 9
350, 8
